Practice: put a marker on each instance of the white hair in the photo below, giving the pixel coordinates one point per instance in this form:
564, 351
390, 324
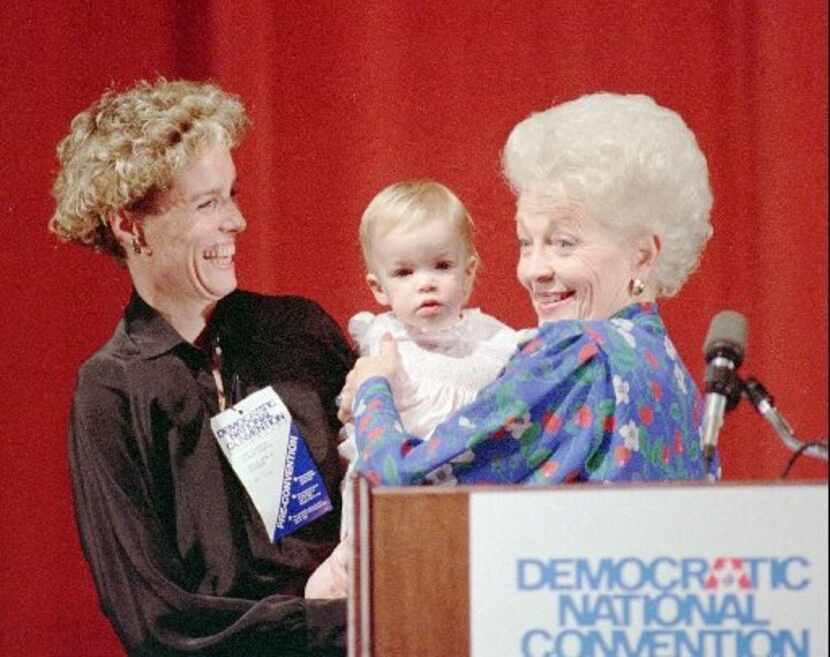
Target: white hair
633, 164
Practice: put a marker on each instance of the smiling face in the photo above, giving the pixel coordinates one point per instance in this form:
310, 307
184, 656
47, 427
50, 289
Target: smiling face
187, 260
573, 266
424, 273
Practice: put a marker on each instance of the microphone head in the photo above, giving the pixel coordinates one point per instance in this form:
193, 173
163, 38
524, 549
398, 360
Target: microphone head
726, 336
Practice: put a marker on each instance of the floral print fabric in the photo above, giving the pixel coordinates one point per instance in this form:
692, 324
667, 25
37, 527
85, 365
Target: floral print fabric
598, 400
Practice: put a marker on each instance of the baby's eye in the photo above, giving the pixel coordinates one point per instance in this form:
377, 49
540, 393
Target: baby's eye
402, 272
444, 265
524, 244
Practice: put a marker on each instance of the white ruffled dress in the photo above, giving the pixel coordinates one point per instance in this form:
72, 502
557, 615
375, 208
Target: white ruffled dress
441, 371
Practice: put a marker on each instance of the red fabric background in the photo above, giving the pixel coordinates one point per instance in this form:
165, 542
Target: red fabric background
346, 100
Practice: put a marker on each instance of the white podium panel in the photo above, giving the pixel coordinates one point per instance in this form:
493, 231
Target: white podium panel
692, 571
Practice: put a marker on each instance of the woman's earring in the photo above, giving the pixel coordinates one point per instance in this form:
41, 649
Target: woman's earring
636, 286
138, 249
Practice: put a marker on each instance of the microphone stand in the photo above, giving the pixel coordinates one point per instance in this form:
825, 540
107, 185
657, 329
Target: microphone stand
723, 392
724, 351
764, 404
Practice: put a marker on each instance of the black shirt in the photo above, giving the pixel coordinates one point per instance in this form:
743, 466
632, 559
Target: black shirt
180, 558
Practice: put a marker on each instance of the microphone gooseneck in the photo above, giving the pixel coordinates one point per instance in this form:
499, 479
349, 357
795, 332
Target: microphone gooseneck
724, 350
763, 402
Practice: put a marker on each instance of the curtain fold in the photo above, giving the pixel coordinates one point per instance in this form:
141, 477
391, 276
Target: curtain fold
348, 97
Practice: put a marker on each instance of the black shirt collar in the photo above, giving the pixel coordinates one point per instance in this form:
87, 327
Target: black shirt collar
151, 333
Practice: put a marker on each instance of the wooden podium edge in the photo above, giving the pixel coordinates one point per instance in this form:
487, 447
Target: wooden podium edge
359, 608
420, 573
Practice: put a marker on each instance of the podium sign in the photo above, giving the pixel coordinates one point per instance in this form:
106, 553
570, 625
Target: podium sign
653, 571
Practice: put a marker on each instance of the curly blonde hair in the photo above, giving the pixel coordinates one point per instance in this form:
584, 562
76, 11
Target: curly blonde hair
123, 151
634, 164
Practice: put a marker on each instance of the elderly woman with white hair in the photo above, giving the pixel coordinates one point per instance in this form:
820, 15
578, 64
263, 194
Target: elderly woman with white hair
613, 205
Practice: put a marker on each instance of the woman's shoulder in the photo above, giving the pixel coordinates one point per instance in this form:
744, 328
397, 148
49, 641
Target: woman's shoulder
631, 343
262, 315
245, 302
107, 369
638, 320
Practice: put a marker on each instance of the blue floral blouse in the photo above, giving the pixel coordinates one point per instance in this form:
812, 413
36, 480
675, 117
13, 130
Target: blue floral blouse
596, 400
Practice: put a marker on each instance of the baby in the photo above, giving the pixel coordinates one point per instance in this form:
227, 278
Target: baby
421, 262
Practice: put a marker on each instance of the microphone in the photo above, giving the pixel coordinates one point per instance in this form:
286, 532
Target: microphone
724, 350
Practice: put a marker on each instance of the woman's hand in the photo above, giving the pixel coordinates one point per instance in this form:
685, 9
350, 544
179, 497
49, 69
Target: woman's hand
331, 579
385, 365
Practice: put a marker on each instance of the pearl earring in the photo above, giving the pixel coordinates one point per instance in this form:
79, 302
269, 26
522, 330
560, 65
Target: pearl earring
637, 286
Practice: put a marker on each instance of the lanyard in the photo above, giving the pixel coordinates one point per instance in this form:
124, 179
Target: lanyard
235, 394
216, 370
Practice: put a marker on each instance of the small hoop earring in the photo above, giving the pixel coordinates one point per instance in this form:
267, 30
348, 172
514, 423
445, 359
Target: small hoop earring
637, 286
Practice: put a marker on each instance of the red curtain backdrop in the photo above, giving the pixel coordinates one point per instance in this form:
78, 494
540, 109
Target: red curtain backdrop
348, 97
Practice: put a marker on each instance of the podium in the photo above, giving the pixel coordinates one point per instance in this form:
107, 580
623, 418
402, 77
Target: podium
687, 569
